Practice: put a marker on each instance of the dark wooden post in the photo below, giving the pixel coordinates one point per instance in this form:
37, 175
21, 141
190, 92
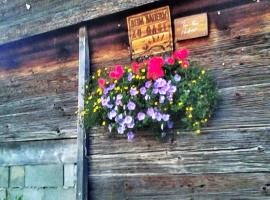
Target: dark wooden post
83, 77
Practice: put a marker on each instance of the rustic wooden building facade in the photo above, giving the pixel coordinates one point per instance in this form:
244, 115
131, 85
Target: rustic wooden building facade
39, 64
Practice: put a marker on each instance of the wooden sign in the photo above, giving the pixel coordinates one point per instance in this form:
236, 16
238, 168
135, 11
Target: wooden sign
191, 27
150, 32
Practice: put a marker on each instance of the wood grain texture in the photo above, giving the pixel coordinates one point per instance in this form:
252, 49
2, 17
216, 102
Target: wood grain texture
16, 22
175, 187
82, 140
230, 160
38, 152
38, 94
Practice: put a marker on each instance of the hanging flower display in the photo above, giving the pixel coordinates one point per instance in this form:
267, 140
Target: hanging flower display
155, 94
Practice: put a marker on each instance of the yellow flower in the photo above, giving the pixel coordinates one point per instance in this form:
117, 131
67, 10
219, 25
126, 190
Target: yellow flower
129, 70
105, 68
126, 88
143, 70
107, 82
86, 86
165, 109
190, 108
203, 72
103, 123
115, 81
98, 100
137, 76
117, 88
93, 77
156, 103
90, 97
198, 131
180, 61
171, 102
180, 103
205, 120
194, 81
190, 116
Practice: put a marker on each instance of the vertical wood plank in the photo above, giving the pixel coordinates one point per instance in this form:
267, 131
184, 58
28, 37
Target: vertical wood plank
83, 77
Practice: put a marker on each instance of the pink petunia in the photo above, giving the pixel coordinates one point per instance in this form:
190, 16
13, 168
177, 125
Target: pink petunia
155, 70
181, 54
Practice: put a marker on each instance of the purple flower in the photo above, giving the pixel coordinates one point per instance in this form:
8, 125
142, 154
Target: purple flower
131, 124
143, 90
130, 76
121, 129
140, 116
161, 99
148, 84
159, 83
165, 117
151, 112
119, 97
105, 100
177, 78
155, 91
172, 89
111, 87
111, 114
130, 136
170, 124
147, 97
158, 116
119, 118
133, 91
118, 102
128, 119
131, 105
162, 90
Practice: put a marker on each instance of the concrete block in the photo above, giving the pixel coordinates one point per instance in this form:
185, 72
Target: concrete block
3, 193
4, 174
16, 178
44, 176
26, 193
69, 175
60, 194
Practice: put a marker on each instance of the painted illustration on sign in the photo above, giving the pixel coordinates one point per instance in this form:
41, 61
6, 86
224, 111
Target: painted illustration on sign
191, 27
150, 32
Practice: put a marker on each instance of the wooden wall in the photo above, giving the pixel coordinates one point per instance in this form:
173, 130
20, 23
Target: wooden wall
230, 160
38, 98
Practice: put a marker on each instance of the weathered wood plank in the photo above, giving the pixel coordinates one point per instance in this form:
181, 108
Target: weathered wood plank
208, 186
82, 140
38, 93
242, 52
38, 152
17, 22
217, 152
38, 118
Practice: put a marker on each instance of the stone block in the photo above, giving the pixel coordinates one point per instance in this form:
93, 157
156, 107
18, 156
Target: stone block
69, 175
60, 194
3, 193
4, 174
16, 176
44, 175
26, 193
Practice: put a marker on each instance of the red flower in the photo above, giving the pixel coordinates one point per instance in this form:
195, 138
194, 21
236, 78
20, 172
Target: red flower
101, 82
135, 67
181, 54
118, 73
185, 64
170, 61
155, 70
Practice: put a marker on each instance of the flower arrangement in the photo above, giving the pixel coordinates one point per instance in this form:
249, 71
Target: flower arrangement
155, 94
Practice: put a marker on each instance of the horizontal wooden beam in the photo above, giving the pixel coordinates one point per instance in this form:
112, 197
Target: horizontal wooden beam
18, 21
